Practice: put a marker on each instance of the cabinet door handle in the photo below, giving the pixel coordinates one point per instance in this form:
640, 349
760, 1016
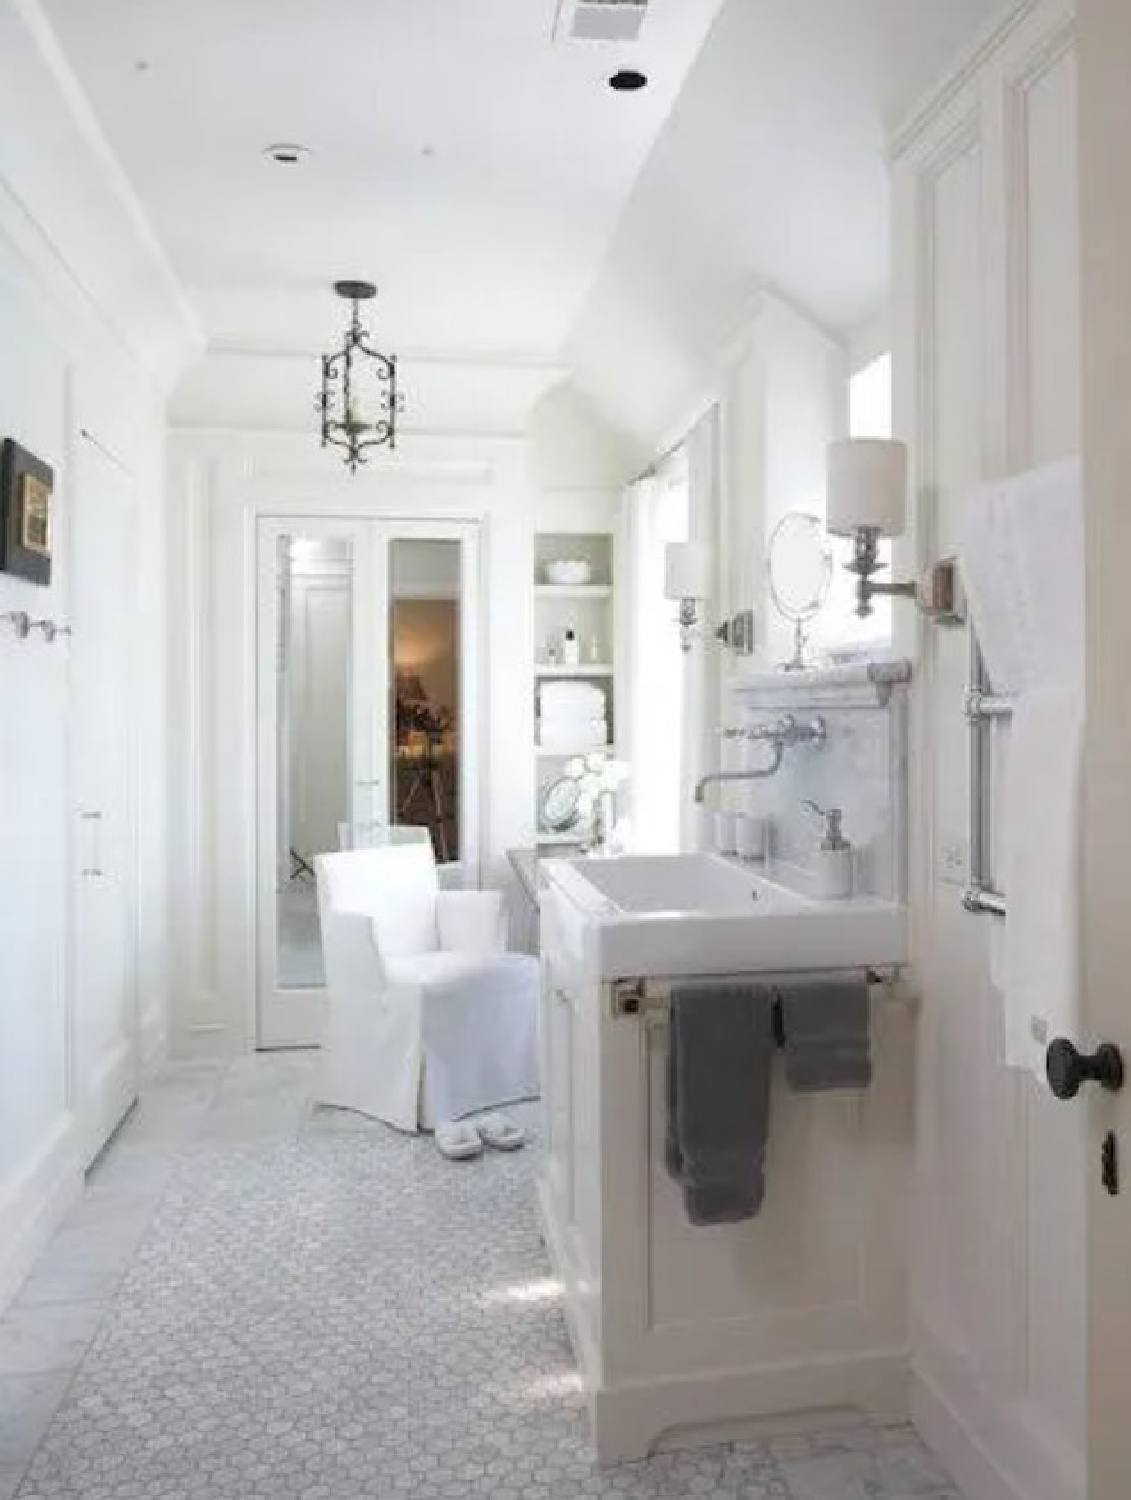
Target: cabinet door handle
93, 820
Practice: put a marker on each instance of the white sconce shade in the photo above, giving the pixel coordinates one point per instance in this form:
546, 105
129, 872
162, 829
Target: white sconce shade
867, 487
687, 570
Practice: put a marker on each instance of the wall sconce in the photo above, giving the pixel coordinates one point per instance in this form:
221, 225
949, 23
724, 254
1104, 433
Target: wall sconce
866, 499
687, 579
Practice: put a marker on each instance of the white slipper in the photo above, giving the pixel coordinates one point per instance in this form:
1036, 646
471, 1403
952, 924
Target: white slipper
458, 1141
500, 1132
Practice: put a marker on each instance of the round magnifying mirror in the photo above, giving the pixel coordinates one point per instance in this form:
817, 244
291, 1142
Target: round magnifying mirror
800, 565
559, 807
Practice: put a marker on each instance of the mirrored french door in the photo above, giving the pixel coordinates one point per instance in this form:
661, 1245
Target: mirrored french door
367, 695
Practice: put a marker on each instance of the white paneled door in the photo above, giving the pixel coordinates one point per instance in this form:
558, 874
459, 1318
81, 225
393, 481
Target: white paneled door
367, 695
103, 969
1105, 133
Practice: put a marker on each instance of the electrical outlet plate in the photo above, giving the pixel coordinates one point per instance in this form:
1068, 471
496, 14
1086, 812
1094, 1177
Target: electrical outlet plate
953, 861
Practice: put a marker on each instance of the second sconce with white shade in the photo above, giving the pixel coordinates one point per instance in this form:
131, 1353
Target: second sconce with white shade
687, 580
866, 499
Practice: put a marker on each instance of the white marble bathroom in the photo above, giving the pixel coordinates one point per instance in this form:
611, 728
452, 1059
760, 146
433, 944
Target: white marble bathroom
564, 825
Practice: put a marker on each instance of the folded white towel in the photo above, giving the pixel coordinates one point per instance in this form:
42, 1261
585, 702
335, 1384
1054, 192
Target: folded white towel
592, 735
567, 722
581, 697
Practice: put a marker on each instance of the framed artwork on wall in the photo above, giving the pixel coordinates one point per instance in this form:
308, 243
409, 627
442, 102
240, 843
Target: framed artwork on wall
26, 514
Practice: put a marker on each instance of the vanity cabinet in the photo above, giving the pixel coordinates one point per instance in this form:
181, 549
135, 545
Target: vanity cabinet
681, 1329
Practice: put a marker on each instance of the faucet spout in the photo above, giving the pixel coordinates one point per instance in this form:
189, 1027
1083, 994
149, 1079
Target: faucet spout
713, 778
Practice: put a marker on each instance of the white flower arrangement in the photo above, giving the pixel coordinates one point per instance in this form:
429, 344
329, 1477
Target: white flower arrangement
596, 774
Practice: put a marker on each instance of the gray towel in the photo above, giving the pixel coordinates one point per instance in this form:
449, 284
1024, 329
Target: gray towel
719, 1052
826, 1029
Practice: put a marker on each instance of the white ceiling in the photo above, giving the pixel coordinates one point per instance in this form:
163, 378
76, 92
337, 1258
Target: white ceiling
514, 210
471, 164
771, 173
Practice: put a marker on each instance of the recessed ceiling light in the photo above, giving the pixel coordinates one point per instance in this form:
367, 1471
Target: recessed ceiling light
287, 153
628, 81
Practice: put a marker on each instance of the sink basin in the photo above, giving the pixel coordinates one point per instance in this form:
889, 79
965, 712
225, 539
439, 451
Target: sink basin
668, 915
685, 883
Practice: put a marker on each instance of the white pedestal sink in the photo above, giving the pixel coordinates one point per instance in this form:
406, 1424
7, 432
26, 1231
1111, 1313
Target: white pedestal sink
679, 1329
681, 914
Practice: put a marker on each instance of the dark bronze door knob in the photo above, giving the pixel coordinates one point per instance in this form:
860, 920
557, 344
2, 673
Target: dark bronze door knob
1068, 1069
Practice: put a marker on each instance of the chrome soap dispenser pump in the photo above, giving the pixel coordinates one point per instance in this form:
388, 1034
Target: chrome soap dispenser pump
833, 859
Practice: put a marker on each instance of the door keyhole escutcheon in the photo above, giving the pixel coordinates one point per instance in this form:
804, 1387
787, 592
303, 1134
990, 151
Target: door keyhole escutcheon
1109, 1164
1068, 1070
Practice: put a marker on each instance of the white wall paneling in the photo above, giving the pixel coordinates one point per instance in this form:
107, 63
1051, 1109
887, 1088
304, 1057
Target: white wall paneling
103, 756
987, 379
93, 326
220, 483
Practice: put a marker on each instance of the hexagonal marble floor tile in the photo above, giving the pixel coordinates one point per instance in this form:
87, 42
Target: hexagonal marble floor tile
319, 1308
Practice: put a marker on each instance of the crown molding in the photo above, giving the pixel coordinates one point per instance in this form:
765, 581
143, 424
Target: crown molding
964, 72
81, 207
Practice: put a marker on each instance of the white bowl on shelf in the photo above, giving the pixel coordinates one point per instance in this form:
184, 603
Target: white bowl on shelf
571, 571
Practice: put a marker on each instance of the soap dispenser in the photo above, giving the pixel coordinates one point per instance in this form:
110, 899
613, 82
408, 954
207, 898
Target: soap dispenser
833, 859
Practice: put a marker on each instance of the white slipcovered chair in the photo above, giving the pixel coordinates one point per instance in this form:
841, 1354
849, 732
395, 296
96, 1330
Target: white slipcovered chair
430, 1018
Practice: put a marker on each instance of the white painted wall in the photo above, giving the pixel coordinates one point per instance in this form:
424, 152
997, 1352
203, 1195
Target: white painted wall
785, 400
566, 477
90, 325
987, 382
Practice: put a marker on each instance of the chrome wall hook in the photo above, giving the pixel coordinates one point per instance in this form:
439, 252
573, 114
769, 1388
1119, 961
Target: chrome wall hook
50, 629
20, 621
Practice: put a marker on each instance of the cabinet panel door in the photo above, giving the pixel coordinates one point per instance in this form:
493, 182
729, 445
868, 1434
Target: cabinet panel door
103, 765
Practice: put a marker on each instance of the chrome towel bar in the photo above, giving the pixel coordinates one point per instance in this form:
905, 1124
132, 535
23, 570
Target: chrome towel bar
984, 709
643, 997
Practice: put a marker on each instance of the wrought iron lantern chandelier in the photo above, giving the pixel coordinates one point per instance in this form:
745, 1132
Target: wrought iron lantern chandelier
360, 402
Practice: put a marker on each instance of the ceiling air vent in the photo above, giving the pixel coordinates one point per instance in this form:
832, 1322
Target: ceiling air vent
600, 20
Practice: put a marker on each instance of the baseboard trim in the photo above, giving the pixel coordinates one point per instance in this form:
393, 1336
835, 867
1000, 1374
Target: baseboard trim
631, 1419
34, 1205
994, 1449
202, 1041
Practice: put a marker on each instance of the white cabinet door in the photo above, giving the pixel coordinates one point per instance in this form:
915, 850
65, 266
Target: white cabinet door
102, 557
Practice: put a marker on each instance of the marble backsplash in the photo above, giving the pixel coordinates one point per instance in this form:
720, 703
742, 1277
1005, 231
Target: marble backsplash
861, 768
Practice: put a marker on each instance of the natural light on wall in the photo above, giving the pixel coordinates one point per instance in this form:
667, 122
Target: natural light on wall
839, 628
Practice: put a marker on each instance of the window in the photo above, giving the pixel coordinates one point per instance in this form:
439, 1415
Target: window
658, 513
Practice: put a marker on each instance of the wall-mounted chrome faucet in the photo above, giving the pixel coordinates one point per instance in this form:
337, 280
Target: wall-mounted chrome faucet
782, 734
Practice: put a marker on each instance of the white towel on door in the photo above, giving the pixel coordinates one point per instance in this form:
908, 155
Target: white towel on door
1021, 547
1041, 966
1022, 552
987, 555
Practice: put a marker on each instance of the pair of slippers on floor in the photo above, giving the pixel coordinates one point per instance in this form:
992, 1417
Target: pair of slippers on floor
460, 1140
